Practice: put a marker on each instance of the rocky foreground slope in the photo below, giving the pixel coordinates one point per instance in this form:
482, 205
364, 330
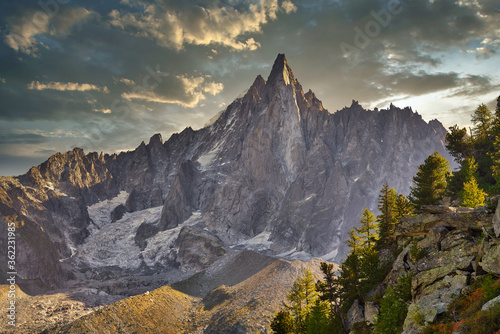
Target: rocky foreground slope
445, 250
274, 173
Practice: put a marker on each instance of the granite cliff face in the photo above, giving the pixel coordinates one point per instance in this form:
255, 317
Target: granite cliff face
274, 173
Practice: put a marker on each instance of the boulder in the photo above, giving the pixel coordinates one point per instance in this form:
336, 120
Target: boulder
355, 314
118, 213
457, 239
434, 237
371, 312
496, 221
491, 303
198, 248
491, 259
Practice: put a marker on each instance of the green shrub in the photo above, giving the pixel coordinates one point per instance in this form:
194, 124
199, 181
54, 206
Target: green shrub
394, 307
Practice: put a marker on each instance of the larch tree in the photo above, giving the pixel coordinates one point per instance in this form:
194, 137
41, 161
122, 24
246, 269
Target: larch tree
471, 195
368, 229
403, 207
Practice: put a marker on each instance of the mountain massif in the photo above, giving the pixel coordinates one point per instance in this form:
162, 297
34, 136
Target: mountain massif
274, 173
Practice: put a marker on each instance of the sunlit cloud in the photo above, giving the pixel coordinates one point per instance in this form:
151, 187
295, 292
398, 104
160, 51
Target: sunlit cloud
66, 86
173, 25
23, 29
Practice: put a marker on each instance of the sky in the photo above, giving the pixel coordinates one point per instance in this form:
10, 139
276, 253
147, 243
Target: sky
106, 75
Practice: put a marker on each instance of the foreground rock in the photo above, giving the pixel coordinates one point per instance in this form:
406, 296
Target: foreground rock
444, 249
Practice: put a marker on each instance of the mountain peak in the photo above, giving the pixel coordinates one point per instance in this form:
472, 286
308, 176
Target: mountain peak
281, 71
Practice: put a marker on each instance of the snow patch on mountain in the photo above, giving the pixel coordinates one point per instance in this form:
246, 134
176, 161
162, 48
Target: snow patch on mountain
258, 243
100, 212
114, 244
160, 248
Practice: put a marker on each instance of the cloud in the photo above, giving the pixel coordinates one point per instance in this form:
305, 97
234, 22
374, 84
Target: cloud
126, 81
474, 86
66, 86
190, 91
288, 7
174, 24
23, 29
104, 111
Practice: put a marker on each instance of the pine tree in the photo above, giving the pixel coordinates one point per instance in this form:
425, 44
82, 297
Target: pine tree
331, 291
403, 207
482, 120
387, 218
368, 229
317, 319
495, 124
458, 143
283, 323
430, 182
495, 155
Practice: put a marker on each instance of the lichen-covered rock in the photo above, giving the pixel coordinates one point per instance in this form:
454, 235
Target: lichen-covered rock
414, 322
434, 237
422, 224
460, 239
490, 261
491, 303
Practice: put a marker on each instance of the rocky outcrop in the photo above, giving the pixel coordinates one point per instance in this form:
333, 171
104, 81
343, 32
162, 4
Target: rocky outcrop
444, 250
453, 257
198, 248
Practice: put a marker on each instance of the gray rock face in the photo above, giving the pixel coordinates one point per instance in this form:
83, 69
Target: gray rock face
198, 248
496, 221
354, 315
276, 171
371, 312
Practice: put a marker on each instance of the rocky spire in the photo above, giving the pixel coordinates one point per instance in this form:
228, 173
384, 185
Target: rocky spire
281, 71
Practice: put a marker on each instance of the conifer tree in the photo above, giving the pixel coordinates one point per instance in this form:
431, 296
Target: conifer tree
458, 143
331, 291
482, 120
430, 182
403, 207
387, 218
283, 323
302, 297
368, 229
354, 242
495, 155
472, 195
